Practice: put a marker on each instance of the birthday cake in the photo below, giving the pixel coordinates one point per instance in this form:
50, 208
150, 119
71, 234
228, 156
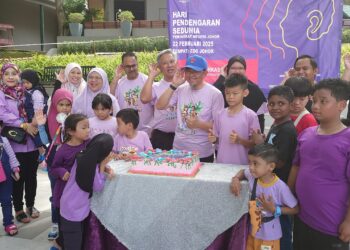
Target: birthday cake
162, 162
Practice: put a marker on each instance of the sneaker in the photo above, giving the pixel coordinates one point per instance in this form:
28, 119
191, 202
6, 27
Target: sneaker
53, 234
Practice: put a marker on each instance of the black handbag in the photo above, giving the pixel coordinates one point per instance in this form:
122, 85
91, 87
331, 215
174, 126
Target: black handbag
14, 134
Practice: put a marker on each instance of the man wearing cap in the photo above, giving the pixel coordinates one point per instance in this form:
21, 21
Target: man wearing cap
197, 103
255, 100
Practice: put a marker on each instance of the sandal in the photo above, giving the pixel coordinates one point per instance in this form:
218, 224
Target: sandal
11, 230
22, 217
33, 212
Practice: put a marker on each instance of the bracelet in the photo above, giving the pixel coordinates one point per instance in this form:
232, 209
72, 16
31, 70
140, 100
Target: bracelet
24, 126
278, 212
172, 87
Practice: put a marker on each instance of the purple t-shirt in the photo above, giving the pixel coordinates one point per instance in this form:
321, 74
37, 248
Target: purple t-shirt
75, 203
323, 180
139, 143
203, 103
164, 120
281, 195
242, 123
98, 126
62, 163
128, 95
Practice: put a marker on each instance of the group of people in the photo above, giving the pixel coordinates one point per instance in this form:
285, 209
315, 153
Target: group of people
299, 168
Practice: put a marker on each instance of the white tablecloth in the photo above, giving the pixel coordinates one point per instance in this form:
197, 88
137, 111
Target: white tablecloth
162, 212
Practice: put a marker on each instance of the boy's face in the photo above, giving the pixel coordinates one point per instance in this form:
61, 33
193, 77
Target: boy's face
234, 96
258, 167
123, 128
298, 104
325, 107
279, 107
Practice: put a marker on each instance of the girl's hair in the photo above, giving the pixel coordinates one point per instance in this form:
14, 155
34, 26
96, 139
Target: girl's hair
70, 124
129, 115
103, 99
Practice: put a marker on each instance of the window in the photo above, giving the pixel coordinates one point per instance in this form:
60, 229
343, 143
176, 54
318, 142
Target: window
137, 7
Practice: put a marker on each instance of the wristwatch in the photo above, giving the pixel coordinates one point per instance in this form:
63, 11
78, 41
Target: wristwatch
278, 212
172, 87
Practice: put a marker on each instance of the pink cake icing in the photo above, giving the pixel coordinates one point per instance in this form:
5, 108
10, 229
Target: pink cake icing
170, 163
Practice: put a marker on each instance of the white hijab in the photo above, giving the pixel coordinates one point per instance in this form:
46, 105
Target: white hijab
83, 103
76, 89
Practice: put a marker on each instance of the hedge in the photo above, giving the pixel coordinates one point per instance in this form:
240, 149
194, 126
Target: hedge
107, 62
118, 45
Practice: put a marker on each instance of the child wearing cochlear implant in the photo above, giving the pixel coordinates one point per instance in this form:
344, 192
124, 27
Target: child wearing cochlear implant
102, 122
76, 138
283, 136
302, 90
270, 198
233, 126
88, 175
321, 173
130, 140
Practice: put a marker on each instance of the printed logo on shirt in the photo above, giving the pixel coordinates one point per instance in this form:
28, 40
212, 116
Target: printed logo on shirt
271, 138
171, 113
188, 112
128, 150
132, 97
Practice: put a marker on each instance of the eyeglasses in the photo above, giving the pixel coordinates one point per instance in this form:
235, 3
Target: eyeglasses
130, 66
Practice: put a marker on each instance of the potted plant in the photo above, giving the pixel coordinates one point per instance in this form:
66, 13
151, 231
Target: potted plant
75, 23
125, 17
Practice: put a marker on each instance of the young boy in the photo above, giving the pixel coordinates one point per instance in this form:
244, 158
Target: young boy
283, 136
301, 117
233, 125
129, 140
321, 173
270, 197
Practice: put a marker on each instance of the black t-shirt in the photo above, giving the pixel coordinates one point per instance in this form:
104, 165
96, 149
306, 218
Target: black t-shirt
253, 101
284, 138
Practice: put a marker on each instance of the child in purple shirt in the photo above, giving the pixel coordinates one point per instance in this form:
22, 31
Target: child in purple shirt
321, 173
76, 137
232, 126
130, 140
270, 197
87, 175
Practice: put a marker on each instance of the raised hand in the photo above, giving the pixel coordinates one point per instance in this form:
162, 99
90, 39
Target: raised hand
40, 117
257, 137
179, 77
346, 59
60, 76
119, 71
234, 137
153, 70
31, 130
211, 137
223, 71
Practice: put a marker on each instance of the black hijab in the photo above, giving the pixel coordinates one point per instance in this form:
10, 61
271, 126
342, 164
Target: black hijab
96, 151
33, 77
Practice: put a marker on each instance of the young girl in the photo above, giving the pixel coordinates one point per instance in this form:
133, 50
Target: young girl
61, 106
87, 175
129, 140
97, 83
270, 198
9, 164
35, 100
76, 137
71, 79
102, 122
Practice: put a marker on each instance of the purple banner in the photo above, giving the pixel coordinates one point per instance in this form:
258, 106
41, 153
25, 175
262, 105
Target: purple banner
269, 34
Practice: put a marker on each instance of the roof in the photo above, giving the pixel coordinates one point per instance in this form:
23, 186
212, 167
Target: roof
46, 3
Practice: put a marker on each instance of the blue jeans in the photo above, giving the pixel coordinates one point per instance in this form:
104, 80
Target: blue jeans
286, 225
5, 197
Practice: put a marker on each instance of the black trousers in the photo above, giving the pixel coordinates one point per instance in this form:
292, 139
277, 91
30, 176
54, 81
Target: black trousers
209, 159
28, 167
307, 238
162, 140
72, 234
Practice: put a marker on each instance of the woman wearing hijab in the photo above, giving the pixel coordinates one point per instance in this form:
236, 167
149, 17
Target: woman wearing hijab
87, 175
13, 115
97, 83
72, 80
